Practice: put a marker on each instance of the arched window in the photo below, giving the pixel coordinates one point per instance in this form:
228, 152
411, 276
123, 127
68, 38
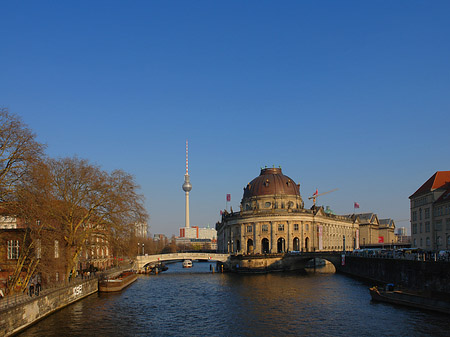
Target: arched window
265, 246
249, 246
428, 242
281, 246
296, 244
307, 244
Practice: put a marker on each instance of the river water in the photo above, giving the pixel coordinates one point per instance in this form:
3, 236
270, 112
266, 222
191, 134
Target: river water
195, 302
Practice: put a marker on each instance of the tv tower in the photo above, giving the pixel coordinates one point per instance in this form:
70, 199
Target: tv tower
187, 187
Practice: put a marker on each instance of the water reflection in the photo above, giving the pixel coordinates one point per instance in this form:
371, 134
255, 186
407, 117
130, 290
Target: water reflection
194, 302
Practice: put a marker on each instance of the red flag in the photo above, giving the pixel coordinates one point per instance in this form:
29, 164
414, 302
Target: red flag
356, 205
221, 213
316, 192
381, 239
228, 197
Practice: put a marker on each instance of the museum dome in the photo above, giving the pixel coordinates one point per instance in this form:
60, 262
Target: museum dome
271, 181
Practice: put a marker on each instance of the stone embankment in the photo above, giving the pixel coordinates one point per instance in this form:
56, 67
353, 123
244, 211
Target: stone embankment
25, 310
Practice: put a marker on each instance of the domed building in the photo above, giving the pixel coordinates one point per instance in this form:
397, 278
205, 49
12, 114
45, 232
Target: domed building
272, 220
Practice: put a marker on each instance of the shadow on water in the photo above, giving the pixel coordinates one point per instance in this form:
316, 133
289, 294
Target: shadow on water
195, 302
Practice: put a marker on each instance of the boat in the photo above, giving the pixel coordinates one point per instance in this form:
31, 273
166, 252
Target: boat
118, 283
187, 264
410, 299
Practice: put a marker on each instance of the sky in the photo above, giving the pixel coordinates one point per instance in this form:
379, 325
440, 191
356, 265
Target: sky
347, 95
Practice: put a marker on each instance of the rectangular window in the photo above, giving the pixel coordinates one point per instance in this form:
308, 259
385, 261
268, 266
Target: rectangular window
427, 213
13, 249
264, 228
420, 228
249, 229
427, 227
438, 225
56, 249
414, 228
296, 227
281, 227
447, 224
38, 248
414, 215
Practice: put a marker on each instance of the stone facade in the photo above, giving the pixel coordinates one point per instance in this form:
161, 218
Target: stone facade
272, 219
430, 213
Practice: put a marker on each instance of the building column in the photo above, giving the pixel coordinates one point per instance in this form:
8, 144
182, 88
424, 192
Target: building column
288, 246
271, 237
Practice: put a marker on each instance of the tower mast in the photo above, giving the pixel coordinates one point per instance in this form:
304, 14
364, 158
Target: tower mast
187, 187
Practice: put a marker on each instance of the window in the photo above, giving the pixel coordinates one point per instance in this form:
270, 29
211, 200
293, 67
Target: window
13, 249
447, 224
420, 213
427, 213
415, 242
414, 228
56, 249
420, 228
428, 242
249, 229
307, 227
38, 248
296, 226
414, 215
264, 228
427, 226
267, 204
281, 227
438, 225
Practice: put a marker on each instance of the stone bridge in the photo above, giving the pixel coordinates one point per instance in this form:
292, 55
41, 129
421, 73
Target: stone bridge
142, 261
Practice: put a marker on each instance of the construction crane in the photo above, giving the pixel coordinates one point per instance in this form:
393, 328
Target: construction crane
315, 195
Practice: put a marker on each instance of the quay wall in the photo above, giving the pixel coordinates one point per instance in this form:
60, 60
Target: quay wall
431, 276
19, 317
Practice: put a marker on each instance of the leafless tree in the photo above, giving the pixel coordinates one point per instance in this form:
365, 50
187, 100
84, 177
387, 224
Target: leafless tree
18, 149
90, 200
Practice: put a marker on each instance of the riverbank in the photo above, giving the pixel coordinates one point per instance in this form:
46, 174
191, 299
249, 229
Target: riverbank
17, 316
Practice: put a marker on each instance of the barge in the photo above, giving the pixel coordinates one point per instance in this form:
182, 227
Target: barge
409, 299
117, 284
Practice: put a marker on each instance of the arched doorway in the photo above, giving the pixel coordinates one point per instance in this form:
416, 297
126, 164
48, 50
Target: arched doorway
281, 244
238, 245
265, 246
296, 244
249, 246
306, 244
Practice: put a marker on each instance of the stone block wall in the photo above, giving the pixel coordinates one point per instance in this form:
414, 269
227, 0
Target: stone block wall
17, 318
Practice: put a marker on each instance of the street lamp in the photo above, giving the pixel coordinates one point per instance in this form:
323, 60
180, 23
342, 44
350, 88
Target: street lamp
138, 249
143, 251
343, 239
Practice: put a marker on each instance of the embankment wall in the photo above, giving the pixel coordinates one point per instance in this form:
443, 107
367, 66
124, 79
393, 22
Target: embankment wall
17, 318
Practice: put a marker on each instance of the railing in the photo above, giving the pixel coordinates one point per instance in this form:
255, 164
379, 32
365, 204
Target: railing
16, 299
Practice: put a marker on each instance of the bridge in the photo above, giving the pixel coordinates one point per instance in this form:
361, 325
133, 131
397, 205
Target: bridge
142, 261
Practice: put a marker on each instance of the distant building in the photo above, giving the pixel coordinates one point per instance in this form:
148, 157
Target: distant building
141, 230
430, 213
374, 231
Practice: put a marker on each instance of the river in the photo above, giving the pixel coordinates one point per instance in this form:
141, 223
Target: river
195, 302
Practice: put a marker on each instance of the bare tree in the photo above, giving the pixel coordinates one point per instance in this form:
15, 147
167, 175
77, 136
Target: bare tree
90, 200
18, 149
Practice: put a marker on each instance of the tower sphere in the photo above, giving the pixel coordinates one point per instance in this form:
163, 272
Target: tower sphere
187, 187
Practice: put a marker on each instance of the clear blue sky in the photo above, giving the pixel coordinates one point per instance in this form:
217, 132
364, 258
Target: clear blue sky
353, 95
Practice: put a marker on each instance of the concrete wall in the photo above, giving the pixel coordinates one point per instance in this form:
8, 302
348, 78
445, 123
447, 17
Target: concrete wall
14, 319
421, 275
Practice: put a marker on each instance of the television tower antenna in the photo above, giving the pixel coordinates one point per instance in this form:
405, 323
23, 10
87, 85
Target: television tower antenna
187, 187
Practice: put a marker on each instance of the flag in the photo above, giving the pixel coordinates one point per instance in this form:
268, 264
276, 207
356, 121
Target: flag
316, 192
221, 213
356, 205
228, 197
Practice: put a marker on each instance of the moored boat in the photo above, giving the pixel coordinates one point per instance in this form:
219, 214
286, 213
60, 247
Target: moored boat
118, 283
187, 264
409, 299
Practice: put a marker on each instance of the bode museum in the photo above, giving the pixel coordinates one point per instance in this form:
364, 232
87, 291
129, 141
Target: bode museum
272, 220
